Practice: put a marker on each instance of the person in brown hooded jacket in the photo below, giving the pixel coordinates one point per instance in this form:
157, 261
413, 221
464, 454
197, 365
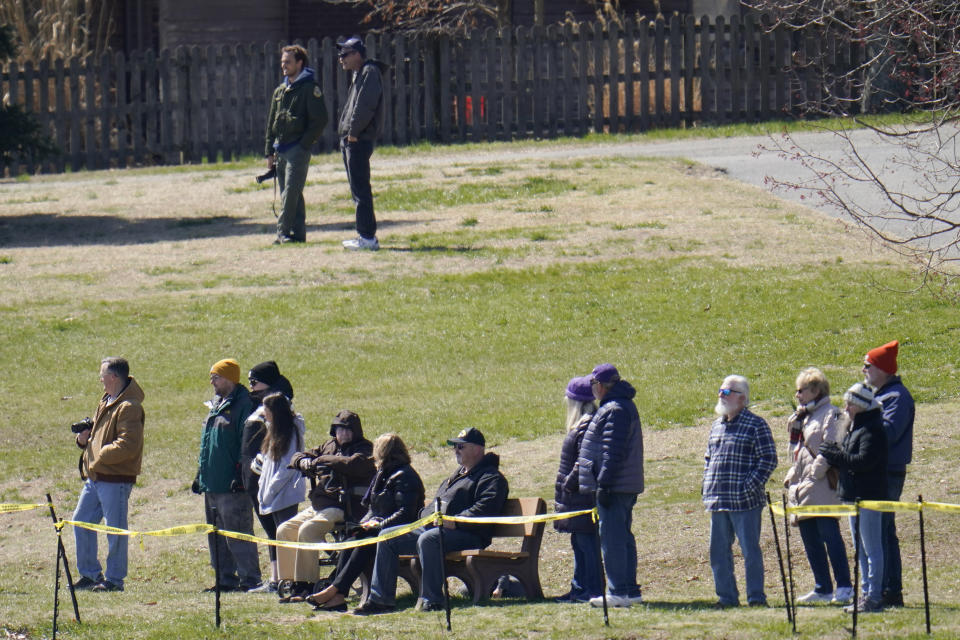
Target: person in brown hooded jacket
109, 465
341, 470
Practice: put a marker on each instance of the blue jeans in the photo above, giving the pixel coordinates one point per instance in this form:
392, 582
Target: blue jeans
586, 570
746, 526
821, 538
102, 501
870, 552
239, 559
892, 568
292, 166
356, 160
425, 543
618, 544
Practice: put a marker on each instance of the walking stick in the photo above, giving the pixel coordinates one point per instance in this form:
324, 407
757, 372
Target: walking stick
61, 554
923, 564
786, 543
783, 576
443, 565
603, 571
213, 536
856, 569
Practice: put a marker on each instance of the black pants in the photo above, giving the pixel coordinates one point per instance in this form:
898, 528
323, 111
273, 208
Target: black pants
356, 160
352, 562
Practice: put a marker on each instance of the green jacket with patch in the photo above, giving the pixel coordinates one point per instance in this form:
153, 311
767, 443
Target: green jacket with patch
219, 460
297, 115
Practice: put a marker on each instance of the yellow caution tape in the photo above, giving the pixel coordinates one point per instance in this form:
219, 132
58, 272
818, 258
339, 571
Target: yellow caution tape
181, 530
823, 510
889, 506
13, 507
543, 517
102, 528
941, 506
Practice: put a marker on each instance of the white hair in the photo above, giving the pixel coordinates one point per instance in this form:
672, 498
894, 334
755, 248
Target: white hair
739, 383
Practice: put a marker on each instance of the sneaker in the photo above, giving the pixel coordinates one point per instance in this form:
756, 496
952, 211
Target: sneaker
814, 597
865, 605
843, 595
106, 585
86, 583
612, 601
721, 604
265, 587
361, 244
569, 598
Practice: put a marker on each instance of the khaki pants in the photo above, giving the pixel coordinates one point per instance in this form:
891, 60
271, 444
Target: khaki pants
303, 565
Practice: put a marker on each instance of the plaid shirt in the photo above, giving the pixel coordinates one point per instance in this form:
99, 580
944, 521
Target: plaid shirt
740, 458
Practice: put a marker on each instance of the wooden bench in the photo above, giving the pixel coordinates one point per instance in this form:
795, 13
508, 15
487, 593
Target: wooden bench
480, 569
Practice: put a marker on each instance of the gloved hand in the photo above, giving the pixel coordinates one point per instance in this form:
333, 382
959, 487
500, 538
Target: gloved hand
604, 497
830, 451
236, 486
195, 487
301, 463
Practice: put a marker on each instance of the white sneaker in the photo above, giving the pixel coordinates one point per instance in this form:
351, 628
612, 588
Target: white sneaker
843, 595
814, 597
613, 601
361, 244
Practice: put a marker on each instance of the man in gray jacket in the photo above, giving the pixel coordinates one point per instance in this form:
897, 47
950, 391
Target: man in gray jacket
361, 121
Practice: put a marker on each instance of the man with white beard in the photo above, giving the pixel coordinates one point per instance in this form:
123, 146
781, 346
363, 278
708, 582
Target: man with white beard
740, 458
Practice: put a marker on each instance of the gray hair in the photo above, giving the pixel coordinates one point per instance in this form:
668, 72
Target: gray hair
117, 366
738, 383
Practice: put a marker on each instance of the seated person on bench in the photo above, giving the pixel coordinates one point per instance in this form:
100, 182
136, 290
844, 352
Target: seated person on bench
343, 464
476, 489
394, 498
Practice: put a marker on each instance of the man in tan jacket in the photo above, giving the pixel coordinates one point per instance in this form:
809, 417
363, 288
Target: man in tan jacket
112, 453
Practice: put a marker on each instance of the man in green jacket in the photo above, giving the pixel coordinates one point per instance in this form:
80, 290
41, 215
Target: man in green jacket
226, 504
296, 120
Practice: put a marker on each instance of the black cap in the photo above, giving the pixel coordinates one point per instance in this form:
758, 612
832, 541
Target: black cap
471, 435
353, 43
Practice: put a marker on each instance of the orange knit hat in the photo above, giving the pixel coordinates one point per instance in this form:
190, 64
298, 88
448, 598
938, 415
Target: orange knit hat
885, 357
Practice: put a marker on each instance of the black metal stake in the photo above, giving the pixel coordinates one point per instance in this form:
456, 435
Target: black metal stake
61, 554
215, 541
856, 569
783, 575
923, 564
443, 565
603, 572
786, 543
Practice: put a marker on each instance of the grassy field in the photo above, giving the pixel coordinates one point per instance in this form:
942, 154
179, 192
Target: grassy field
503, 273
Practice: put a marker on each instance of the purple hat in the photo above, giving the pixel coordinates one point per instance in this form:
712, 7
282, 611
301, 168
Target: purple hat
579, 389
604, 373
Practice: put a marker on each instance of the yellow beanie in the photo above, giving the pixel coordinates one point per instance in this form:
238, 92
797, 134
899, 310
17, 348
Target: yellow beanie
229, 369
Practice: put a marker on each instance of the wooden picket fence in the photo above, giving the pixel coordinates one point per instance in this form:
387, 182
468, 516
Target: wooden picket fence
207, 104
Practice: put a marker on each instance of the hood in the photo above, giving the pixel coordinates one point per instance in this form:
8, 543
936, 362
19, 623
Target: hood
131, 392
307, 75
491, 460
622, 389
382, 66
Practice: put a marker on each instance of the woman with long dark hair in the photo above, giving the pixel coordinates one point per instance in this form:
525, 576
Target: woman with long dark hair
281, 489
394, 498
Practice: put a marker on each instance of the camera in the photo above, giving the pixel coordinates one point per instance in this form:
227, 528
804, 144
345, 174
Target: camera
83, 425
269, 175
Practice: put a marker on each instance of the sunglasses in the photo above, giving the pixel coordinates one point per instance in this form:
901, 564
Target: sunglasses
459, 446
344, 54
727, 392
867, 365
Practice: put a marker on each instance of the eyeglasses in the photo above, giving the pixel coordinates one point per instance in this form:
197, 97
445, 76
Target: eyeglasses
867, 365
801, 390
344, 54
727, 392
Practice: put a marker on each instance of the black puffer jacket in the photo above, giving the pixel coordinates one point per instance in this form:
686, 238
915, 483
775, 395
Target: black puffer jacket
861, 458
565, 493
479, 493
395, 496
